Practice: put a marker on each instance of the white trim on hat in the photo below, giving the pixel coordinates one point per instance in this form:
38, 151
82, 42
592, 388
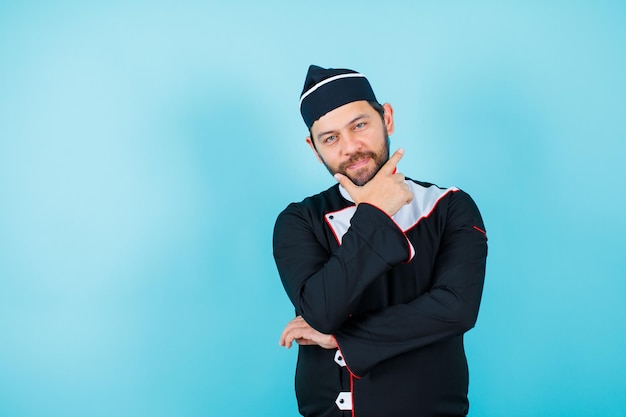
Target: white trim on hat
326, 81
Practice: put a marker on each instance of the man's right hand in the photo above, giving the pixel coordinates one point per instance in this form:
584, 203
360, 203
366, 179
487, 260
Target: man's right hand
301, 332
387, 190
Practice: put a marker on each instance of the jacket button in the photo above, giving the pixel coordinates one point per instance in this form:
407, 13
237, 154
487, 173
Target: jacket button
339, 359
344, 401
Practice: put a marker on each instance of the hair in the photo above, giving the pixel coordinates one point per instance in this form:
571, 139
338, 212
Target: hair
375, 105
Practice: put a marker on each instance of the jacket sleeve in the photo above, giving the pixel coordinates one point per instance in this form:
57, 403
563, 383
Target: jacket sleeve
324, 287
448, 309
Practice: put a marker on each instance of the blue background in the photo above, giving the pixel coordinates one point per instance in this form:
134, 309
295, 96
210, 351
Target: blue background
146, 148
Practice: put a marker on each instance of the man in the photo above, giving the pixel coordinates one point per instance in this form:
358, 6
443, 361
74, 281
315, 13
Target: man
385, 273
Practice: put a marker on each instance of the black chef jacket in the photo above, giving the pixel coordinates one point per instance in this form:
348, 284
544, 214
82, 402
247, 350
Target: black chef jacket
397, 293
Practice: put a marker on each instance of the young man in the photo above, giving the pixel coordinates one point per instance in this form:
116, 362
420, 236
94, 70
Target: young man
385, 273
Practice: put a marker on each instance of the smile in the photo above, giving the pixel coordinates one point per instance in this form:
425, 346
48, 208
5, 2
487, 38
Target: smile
359, 164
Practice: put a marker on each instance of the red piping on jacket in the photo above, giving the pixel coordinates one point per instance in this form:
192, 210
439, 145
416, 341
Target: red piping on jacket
480, 230
352, 390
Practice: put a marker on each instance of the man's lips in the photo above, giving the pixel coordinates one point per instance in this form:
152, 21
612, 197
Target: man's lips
359, 164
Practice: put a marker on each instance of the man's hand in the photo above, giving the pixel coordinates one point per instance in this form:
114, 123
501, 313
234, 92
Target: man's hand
386, 190
299, 331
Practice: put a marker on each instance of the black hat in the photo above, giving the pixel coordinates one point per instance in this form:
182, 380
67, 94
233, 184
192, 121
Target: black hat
325, 89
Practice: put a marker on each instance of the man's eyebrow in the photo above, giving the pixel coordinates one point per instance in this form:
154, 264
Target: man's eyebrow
360, 116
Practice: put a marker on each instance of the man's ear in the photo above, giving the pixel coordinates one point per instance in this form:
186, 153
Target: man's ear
388, 117
310, 142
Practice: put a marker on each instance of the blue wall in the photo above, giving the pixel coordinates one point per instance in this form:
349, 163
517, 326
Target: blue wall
146, 149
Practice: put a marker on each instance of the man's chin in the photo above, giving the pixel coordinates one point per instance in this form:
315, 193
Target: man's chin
361, 178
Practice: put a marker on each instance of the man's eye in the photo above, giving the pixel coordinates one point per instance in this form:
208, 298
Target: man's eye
359, 125
330, 139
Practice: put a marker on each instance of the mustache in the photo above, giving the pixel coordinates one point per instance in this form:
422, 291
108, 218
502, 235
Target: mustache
356, 157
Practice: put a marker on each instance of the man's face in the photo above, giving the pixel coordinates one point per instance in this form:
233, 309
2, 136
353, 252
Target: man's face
353, 140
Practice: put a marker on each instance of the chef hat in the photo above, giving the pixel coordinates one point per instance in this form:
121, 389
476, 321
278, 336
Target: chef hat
325, 89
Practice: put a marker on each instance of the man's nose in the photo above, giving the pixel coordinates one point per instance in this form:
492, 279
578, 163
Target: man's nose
352, 143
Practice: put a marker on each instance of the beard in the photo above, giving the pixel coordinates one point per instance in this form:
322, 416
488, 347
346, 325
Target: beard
364, 175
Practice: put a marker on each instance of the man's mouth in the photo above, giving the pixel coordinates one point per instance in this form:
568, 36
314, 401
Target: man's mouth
359, 164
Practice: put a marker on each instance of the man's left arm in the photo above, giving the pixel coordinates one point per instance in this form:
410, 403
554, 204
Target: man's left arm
449, 308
